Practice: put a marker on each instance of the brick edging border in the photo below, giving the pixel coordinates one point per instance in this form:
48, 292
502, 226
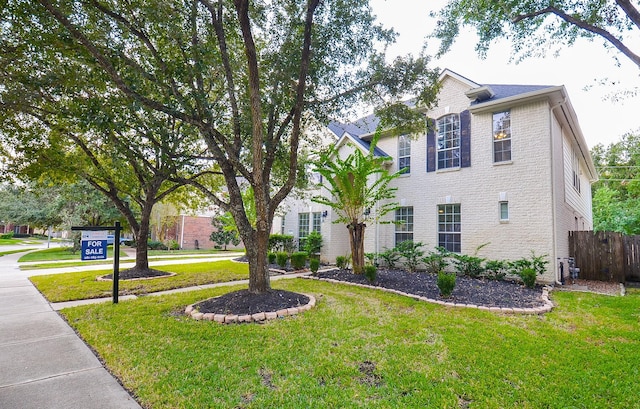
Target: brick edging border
547, 307
257, 317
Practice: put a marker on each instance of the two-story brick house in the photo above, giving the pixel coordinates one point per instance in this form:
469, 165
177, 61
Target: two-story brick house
501, 165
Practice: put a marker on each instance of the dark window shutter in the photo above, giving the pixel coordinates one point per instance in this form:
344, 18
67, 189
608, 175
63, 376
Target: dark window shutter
431, 145
465, 139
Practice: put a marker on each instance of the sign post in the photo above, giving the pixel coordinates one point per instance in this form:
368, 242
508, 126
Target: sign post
94, 247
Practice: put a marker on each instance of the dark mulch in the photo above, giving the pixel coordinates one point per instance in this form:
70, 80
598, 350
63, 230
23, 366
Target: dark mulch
134, 273
487, 293
243, 302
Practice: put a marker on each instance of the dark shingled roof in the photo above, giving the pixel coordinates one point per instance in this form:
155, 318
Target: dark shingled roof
368, 124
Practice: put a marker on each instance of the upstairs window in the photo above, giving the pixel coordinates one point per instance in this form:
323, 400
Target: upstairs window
448, 141
404, 153
575, 168
502, 136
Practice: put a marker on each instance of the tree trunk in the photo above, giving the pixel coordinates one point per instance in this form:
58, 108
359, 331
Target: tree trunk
259, 282
141, 235
356, 239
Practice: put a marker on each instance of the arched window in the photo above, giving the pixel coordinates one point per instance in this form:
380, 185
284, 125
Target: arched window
448, 141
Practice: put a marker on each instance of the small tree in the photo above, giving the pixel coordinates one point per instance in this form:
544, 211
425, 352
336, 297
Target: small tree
357, 184
225, 232
313, 243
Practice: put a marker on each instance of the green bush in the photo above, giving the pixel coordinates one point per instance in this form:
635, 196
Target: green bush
528, 276
314, 265
156, 245
342, 262
390, 257
313, 243
299, 260
174, 245
436, 260
271, 256
281, 242
6, 236
281, 258
495, 269
536, 263
468, 265
446, 283
370, 271
411, 253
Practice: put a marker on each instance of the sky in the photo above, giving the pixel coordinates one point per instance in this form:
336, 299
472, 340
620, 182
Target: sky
580, 68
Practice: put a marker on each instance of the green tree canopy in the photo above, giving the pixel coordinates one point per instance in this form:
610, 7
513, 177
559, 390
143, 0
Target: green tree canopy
245, 75
616, 195
533, 25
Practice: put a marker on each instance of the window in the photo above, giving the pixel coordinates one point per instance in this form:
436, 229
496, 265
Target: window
404, 224
282, 224
504, 211
449, 227
303, 228
502, 136
575, 167
317, 222
448, 141
404, 153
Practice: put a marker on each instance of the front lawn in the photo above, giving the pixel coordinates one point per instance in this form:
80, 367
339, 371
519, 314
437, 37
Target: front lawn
369, 349
81, 285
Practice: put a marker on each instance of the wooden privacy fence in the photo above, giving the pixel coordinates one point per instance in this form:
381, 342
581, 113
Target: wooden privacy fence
605, 256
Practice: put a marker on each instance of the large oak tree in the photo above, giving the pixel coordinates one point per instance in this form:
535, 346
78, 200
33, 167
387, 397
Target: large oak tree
247, 75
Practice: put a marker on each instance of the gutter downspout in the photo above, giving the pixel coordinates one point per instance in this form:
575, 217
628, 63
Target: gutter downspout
553, 189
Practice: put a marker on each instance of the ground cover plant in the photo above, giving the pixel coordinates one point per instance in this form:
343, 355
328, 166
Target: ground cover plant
366, 348
82, 285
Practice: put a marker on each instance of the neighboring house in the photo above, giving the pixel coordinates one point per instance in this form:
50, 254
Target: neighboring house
501, 165
16, 229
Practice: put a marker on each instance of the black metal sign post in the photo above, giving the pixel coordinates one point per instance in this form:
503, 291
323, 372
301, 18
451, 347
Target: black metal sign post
116, 252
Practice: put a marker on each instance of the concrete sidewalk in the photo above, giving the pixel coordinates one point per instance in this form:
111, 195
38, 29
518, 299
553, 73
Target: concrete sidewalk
44, 364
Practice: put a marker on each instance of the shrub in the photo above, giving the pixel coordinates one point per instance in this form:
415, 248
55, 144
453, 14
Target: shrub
495, 269
281, 242
528, 276
370, 258
156, 245
412, 254
536, 263
314, 265
174, 245
468, 265
370, 271
313, 243
342, 262
271, 256
390, 257
446, 283
281, 258
436, 261
299, 260
6, 236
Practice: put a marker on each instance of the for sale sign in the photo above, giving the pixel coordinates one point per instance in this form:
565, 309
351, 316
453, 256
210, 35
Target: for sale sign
94, 245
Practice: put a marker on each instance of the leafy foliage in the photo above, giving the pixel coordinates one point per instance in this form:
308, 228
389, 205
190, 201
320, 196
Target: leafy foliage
532, 26
436, 260
281, 242
616, 194
390, 257
281, 258
225, 232
313, 243
298, 260
446, 282
528, 276
314, 265
412, 254
370, 272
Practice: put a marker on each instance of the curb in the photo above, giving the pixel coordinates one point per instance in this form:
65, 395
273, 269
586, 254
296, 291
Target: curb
547, 307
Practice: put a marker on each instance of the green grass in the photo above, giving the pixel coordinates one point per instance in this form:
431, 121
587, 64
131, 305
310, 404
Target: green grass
81, 285
362, 348
54, 253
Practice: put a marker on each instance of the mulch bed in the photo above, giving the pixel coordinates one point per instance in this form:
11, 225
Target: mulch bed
243, 302
133, 274
488, 293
